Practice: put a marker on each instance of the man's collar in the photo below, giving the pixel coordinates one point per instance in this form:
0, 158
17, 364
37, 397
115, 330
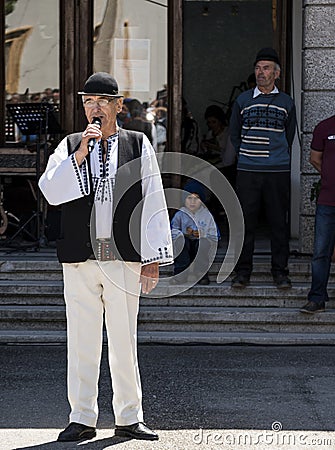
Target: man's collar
257, 92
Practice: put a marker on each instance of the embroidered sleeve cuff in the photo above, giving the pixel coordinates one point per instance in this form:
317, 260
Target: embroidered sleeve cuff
163, 257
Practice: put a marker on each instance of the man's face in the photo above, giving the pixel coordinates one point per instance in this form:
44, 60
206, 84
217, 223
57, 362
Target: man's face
106, 108
266, 74
124, 112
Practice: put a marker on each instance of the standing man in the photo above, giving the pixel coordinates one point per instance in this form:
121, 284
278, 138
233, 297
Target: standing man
114, 234
323, 159
262, 128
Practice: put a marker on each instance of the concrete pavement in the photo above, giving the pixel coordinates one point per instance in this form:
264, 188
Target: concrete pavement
196, 397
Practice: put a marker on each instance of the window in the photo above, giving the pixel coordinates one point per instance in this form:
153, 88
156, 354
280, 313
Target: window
31, 59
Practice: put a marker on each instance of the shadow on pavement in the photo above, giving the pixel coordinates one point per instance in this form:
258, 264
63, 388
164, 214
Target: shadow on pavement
99, 444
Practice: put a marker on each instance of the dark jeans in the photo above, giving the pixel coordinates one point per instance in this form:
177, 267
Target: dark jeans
324, 241
272, 190
203, 247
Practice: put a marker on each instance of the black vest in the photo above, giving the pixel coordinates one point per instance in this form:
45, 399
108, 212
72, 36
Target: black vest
74, 244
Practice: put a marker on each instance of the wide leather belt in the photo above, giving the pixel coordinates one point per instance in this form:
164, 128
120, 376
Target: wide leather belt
103, 252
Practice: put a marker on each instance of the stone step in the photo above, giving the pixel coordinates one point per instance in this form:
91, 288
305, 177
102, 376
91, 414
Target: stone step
27, 292
32, 317
32, 307
228, 338
37, 292
28, 268
36, 269
180, 338
281, 301
235, 320
195, 319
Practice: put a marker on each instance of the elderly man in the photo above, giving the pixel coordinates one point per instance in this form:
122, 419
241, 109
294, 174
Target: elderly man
114, 234
262, 128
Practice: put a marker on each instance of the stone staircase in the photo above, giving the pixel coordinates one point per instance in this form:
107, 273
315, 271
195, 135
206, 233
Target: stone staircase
32, 308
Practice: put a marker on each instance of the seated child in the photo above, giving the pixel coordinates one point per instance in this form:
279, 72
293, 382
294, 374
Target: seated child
194, 231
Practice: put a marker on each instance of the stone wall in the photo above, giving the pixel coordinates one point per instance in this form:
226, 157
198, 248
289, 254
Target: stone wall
318, 97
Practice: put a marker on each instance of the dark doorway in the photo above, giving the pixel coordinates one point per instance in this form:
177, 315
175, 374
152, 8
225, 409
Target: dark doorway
220, 41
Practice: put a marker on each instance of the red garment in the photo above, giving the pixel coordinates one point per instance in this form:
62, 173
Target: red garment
324, 141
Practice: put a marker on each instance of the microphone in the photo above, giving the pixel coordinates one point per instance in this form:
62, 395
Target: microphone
91, 142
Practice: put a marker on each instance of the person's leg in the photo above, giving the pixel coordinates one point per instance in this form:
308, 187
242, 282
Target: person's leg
248, 187
324, 241
230, 173
193, 246
121, 300
182, 249
276, 195
204, 254
84, 310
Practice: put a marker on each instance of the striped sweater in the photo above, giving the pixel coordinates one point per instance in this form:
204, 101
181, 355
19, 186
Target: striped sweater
262, 131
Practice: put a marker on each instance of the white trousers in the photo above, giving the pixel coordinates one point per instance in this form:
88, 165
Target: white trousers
93, 292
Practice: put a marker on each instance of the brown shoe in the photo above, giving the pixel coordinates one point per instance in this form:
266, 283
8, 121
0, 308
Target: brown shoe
313, 307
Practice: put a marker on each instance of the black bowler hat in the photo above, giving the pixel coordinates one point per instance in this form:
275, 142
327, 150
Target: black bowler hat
267, 54
101, 83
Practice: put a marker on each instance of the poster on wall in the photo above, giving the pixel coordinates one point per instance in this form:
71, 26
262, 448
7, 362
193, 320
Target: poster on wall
132, 64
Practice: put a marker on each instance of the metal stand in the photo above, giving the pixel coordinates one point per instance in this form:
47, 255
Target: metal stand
36, 119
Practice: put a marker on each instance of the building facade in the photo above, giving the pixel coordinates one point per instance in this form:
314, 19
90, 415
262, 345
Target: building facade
202, 50
317, 97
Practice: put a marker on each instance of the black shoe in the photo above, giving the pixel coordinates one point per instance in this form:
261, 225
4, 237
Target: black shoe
204, 281
136, 431
240, 281
282, 281
76, 432
313, 307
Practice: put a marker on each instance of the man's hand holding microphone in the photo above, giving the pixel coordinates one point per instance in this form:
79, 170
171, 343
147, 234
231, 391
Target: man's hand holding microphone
89, 138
